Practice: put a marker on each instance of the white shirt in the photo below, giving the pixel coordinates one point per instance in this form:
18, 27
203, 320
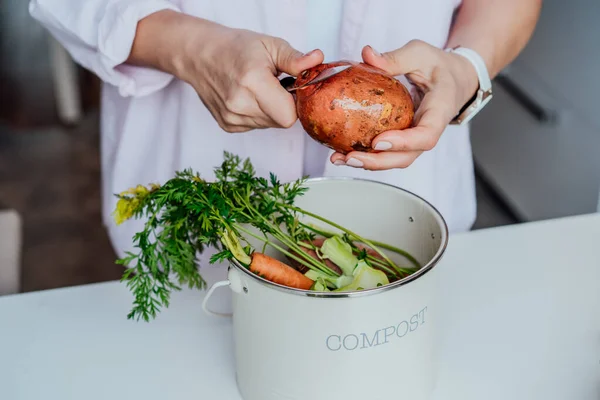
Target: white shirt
152, 124
323, 33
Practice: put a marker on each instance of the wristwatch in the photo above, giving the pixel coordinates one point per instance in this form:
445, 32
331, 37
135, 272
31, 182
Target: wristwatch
484, 92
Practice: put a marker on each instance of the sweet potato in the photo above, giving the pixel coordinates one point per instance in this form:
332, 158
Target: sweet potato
347, 111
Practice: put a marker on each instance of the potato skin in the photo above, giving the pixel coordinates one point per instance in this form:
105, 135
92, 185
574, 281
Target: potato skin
318, 243
347, 111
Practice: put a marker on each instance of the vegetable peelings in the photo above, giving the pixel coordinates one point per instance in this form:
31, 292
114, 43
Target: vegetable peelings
187, 214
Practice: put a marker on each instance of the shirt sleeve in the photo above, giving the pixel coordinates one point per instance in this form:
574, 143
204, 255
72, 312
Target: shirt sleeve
99, 34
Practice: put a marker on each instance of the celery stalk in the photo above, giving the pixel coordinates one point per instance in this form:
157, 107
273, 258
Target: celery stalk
333, 282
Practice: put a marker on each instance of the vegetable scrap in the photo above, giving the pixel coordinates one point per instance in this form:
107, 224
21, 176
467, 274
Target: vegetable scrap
187, 214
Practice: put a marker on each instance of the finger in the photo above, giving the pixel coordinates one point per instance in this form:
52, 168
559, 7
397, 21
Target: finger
237, 128
406, 59
243, 109
376, 161
265, 119
338, 159
216, 114
248, 110
430, 121
276, 102
272, 98
229, 123
289, 60
233, 120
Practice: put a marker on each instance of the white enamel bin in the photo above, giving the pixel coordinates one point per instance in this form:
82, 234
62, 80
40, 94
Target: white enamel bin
374, 344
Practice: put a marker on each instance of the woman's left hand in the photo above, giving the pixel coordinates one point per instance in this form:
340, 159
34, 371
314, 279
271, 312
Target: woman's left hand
446, 81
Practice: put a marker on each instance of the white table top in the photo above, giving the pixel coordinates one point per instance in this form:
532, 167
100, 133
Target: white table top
521, 321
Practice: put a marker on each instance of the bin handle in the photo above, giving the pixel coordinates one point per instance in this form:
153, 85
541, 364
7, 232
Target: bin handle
210, 292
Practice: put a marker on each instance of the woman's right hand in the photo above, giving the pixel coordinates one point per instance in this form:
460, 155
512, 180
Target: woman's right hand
234, 71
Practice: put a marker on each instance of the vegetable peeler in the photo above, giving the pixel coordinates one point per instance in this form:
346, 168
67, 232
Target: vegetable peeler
288, 82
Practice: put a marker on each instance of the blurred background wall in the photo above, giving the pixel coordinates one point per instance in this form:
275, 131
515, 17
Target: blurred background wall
49, 160
538, 142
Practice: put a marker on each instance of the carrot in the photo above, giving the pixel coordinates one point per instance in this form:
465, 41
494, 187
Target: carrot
278, 272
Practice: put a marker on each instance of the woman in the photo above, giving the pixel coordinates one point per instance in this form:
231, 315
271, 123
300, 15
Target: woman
187, 79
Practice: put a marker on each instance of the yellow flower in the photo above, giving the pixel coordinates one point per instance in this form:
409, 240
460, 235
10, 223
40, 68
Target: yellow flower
129, 201
139, 190
125, 209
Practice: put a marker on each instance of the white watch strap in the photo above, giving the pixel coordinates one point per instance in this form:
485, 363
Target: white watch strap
475, 59
484, 92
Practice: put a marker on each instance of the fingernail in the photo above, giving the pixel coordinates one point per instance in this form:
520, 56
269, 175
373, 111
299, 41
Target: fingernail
309, 53
378, 54
353, 162
339, 162
383, 146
